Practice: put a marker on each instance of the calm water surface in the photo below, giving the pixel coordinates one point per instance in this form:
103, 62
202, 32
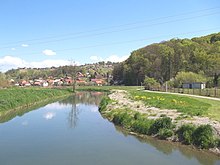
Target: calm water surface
72, 132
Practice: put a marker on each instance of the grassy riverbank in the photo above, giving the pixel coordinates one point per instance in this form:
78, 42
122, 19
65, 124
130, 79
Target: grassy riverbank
200, 136
191, 106
15, 98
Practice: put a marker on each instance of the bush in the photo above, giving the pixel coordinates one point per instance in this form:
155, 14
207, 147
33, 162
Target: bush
160, 123
165, 133
203, 137
137, 116
218, 143
151, 84
103, 104
185, 133
124, 119
142, 126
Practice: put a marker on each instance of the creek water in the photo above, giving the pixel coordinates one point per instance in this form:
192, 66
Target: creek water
73, 132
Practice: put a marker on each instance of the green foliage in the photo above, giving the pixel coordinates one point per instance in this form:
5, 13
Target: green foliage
3, 80
151, 84
218, 143
186, 77
164, 60
161, 123
165, 133
101, 69
123, 119
142, 125
103, 104
203, 137
18, 97
184, 104
163, 128
185, 133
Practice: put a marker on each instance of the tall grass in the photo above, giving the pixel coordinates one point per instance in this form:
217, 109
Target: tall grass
13, 98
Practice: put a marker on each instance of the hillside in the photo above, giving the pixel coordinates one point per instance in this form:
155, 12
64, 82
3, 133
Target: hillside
100, 69
162, 61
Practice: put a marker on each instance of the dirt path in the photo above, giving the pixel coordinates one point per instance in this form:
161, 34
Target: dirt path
122, 100
181, 94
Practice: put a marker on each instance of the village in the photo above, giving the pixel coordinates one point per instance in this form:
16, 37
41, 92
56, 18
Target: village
81, 80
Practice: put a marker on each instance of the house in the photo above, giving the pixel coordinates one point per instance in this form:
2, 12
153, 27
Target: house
45, 84
98, 82
37, 83
194, 85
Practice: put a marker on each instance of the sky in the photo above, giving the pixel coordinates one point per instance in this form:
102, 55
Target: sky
45, 33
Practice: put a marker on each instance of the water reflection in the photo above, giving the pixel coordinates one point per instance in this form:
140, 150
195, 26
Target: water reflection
87, 98
93, 141
49, 115
168, 148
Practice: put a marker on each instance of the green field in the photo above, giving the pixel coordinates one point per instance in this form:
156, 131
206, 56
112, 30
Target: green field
14, 98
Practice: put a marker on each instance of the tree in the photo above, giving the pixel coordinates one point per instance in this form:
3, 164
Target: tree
188, 77
3, 80
151, 84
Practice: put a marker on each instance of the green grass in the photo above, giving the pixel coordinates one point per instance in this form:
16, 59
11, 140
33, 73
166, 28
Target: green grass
214, 110
184, 104
163, 128
106, 88
13, 98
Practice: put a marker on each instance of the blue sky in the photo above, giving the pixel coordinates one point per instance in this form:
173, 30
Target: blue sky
43, 33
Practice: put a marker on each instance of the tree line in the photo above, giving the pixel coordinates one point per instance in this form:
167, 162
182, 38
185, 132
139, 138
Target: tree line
164, 61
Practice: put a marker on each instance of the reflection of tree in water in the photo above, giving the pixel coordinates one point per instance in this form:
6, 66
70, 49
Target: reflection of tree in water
167, 148
73, 114
86, 98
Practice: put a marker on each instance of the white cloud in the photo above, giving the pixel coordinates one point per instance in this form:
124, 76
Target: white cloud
9, 62
95, 59
112, 58
48, 52
49, 115
13, 49
115, 58
48, 63
13, 62
24, 123
24, 45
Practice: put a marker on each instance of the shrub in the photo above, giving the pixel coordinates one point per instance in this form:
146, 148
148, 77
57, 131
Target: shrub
142, 126
103, 104
218, 143
137, 116
185, 133
160, 123
151, 83
124, 119
165, 133
203, 137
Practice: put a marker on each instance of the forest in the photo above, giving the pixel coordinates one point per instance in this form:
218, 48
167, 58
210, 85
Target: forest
164, 61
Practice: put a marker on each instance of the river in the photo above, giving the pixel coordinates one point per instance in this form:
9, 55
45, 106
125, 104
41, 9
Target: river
72, 132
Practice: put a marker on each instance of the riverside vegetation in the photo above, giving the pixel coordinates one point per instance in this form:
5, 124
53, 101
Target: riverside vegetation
160, 123
14, 98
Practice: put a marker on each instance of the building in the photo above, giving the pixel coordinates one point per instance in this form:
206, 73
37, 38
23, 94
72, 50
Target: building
194, 85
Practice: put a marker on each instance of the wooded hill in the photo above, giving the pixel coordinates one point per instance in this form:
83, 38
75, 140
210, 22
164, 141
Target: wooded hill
162, 61
101, 69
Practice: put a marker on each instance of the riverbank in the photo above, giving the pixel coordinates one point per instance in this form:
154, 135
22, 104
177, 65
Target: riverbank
18, 98
182, 119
